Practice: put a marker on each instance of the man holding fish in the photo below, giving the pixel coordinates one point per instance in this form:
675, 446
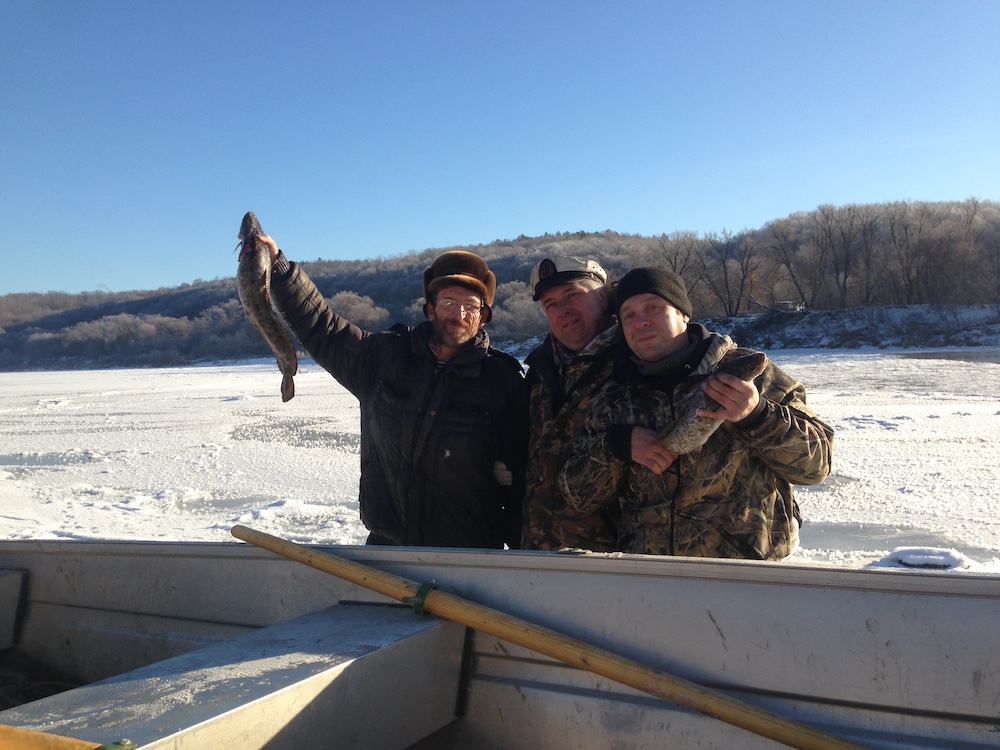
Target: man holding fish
443, 414
697, 441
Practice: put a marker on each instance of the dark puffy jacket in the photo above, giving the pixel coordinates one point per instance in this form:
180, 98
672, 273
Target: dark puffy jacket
430, 432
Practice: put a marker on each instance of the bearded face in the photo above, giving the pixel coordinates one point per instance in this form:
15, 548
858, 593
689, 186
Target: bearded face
456, 314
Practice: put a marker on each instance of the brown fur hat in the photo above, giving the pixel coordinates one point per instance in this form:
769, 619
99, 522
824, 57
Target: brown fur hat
458, 267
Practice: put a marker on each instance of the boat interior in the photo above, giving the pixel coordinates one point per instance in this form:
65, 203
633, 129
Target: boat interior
178, 645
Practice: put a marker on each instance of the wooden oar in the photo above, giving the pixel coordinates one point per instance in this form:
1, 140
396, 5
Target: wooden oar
558, 646
16, 738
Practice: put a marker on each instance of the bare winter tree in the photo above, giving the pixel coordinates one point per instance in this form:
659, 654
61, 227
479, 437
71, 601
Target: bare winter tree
837, 231
909, 227
681, 253
782, 240
515, 315
730, 269
869, 265
362, 311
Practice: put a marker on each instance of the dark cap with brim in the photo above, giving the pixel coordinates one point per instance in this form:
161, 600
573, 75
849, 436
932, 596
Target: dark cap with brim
553, 272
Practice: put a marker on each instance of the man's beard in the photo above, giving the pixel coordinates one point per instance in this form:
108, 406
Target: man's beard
455, 333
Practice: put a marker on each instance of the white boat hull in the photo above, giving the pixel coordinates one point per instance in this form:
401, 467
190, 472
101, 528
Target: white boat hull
883, 657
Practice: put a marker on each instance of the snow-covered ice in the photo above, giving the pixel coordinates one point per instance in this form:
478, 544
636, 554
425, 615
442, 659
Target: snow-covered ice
186, 453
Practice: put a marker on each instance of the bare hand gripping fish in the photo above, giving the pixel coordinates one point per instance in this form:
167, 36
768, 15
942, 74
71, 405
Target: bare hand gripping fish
253, 279
690, 430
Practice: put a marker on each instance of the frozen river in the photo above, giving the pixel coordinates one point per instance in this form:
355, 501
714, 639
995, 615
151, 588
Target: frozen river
185, 453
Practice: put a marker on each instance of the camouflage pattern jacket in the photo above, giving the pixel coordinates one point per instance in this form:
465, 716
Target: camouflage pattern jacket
730, 498
560, 400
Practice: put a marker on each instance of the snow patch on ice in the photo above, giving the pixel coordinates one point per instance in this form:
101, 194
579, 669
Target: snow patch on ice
926, 558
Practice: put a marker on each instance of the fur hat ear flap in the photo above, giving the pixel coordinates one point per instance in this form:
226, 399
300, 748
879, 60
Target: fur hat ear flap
428, 277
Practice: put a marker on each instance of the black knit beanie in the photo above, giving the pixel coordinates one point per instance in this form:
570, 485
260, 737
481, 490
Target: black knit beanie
659, 281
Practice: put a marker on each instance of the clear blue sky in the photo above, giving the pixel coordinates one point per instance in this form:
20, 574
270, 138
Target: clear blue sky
135, 135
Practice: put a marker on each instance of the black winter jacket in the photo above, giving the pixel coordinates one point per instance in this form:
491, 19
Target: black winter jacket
430, 432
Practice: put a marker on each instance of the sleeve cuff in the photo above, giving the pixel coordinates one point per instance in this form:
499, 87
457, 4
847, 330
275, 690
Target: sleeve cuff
756, 418
619, 439
280, 266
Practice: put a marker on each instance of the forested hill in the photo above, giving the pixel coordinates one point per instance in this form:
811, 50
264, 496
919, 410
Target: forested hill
838, 262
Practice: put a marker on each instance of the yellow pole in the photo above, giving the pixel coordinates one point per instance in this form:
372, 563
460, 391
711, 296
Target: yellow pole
561, 647
15, 738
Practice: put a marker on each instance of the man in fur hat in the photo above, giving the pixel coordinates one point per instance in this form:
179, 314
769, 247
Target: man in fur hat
440, 408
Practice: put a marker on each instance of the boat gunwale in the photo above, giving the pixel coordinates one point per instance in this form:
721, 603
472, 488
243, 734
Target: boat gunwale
889, 580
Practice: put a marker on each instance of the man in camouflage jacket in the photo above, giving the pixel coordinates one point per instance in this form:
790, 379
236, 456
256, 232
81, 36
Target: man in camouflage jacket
732, 497
565, 371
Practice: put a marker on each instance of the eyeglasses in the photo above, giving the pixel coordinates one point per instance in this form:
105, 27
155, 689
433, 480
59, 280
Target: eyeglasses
449, 306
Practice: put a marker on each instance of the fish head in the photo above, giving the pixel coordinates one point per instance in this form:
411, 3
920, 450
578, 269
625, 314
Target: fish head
744, 366
250, 226
249, 230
